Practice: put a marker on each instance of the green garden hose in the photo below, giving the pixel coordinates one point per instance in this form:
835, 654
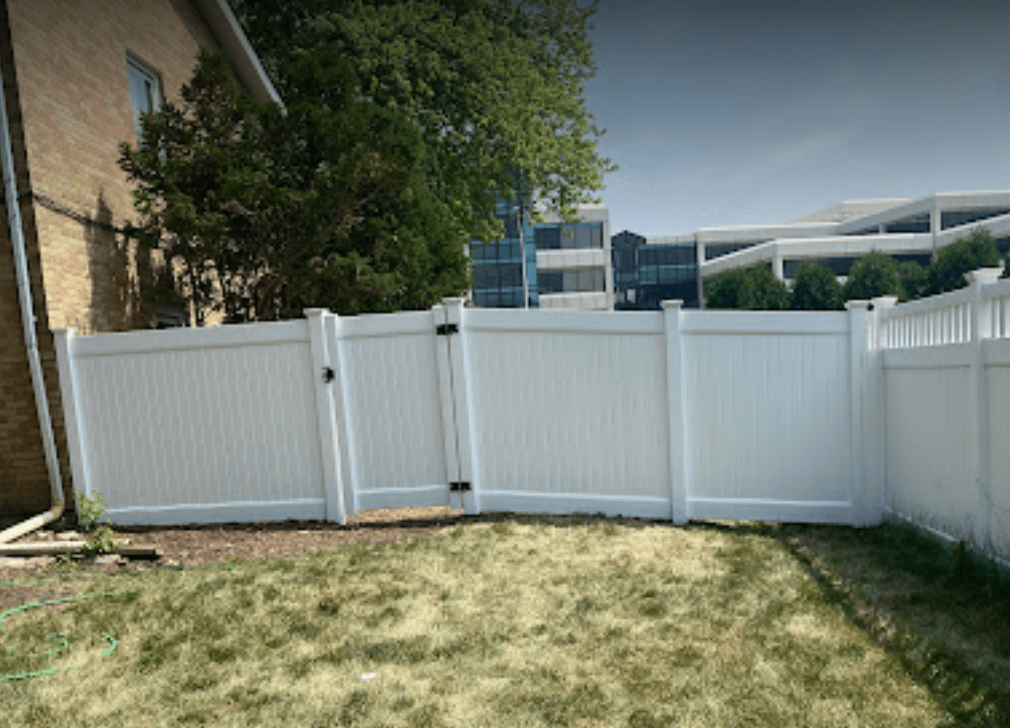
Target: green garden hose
60, 638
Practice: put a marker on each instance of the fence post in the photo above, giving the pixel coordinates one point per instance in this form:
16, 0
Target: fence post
323, 376
675, 395
462, 400
349, 476
978, 437
880, 340
863, 503
72, 416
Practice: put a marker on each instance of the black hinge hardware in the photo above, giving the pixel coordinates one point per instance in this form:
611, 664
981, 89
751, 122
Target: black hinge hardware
328, 374
457, 486
446, 329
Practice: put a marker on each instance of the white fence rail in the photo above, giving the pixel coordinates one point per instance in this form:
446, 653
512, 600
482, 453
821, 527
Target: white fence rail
837, 417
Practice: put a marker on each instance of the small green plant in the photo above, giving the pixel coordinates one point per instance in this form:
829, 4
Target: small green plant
90, 516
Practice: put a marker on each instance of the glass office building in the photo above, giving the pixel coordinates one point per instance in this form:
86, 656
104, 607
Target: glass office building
567, 263
645, 274
572, 278
497, 265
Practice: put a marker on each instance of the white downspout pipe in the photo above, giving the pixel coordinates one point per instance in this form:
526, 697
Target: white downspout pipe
31, 343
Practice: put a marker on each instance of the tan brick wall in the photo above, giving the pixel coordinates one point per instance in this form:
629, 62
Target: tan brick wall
76, 110
22, 459
73, 111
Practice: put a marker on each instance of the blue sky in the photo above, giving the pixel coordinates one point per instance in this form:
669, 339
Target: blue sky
734, 112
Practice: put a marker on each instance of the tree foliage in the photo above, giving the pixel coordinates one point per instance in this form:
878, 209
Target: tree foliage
754, 289
946, 273
494, 88
816, 288
913, 279
265, 212
875, 274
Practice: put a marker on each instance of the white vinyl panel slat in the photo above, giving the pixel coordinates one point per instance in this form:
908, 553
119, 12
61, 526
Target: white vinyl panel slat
927, 448
92, 397
286, 444
220, 450
156, 461
264, 384
999, 458
393, 386
123, 446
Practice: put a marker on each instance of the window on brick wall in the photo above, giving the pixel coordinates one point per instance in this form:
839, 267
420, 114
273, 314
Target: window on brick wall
145, 89
166, 317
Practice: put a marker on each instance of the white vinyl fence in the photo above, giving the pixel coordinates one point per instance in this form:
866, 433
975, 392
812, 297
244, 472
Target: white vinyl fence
673, 414
837, 417
946, 370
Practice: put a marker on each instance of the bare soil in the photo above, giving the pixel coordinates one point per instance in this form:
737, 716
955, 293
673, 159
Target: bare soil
196, 545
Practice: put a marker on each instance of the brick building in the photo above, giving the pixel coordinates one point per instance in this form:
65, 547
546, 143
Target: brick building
76, 76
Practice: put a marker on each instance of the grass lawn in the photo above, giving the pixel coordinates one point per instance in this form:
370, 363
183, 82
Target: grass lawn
521, 623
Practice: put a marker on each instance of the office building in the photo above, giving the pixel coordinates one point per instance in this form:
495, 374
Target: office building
906, 229
567, 264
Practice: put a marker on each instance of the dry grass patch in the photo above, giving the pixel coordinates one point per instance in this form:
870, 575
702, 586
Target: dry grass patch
487, 624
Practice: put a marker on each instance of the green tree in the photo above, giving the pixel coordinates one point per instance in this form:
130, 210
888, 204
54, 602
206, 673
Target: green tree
762, 291
946, 273
754, 289
816, 288
264, 212
723, 289
913, 279
874, 274
491, 87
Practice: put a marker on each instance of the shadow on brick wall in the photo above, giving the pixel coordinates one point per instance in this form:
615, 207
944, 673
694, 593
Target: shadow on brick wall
122, 276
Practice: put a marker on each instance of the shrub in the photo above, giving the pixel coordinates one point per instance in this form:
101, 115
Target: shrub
875, 274
753, 289
946, 273
816, 288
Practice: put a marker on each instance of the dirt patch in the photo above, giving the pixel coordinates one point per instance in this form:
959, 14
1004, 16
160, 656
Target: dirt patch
189, 546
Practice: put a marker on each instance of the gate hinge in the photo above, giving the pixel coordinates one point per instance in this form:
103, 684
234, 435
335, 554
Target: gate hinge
458, 486
328, 374
446, 329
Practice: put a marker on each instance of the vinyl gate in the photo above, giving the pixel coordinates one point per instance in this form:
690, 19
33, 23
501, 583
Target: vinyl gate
404, 432
269, 421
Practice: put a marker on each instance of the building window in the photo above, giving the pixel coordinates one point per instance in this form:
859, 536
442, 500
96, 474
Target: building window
168, 318
578, 236
572, 280
145, 89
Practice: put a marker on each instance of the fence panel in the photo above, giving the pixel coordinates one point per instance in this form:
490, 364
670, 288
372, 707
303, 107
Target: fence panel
199, 425
571, 411
769, 407
395, 439
928, 441
998, 380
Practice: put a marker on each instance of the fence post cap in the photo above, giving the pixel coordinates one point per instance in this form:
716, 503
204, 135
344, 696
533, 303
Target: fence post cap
856, 303
674, 304
984, 275
454, 300
884, 301
310, 312
64, 331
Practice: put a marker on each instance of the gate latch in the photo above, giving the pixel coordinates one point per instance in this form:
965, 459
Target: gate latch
328, 374
446, 329
457, 486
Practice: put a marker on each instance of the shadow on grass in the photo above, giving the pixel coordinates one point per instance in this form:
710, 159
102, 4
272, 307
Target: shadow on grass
941, 610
